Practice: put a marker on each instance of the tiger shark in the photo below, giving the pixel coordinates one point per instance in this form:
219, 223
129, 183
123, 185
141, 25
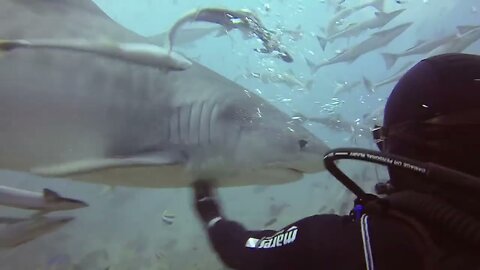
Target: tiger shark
103, 120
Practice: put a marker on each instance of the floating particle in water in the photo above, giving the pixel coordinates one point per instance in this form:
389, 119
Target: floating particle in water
259, 113
266, 7
167, 217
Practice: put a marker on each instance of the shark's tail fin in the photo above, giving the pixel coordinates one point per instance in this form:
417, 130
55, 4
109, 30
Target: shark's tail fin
378, 4
312, 66
368, 85
390, 59
322, 41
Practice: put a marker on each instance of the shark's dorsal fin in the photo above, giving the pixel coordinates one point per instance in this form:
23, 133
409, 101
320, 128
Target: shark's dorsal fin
50, 195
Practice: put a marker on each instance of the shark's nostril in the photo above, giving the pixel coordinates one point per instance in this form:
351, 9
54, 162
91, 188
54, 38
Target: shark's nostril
302, 143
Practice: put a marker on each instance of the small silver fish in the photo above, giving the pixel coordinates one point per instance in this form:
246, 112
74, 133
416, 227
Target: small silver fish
138, 53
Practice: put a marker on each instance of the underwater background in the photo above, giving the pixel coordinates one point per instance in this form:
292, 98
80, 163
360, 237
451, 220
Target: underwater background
126, 228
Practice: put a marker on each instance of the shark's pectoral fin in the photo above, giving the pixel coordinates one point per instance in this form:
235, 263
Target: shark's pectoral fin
90, 165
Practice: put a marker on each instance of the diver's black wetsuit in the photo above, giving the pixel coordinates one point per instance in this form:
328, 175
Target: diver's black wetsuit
316, 242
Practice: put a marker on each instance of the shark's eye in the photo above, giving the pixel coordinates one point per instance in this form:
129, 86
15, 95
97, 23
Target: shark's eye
302, 143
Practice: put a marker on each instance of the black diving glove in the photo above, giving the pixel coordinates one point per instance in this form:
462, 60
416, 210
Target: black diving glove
206, 202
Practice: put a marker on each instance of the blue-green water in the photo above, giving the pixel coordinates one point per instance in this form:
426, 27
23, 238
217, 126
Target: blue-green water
126, 224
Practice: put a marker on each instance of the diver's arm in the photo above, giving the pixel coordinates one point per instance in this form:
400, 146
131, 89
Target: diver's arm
238, 248
243, 249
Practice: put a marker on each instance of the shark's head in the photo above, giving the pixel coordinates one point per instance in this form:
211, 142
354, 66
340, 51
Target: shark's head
266, 146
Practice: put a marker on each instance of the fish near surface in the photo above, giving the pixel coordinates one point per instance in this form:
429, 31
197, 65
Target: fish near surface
375, 41
332, 26
102, 120
467, 35
380, 20
419, 48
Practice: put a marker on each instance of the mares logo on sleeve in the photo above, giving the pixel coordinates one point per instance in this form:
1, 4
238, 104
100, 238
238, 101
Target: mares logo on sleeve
281, 238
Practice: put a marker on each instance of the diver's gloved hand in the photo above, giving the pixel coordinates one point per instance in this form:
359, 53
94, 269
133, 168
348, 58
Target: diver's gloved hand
206, 201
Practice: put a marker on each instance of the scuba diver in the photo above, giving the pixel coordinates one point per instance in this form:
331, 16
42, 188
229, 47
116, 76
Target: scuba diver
427, 216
